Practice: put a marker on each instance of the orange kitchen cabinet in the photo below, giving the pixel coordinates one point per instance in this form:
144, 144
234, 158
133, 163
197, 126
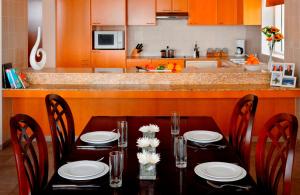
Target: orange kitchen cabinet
73, 34
157, 62
252, 12
108, 12
180, 5
164, 5
172, 6
141, 12
203, 12
108, 58
132, 63
228, 12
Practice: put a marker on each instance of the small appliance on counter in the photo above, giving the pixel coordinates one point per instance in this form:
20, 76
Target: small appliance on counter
137, 50
240, 48
196, 51
109, 40
167, 53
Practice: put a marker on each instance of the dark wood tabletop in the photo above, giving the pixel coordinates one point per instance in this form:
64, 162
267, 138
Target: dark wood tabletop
170, 180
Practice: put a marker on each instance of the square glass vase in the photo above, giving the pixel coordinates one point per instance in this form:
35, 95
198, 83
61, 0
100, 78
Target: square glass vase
149, 149
149, 134
147, 172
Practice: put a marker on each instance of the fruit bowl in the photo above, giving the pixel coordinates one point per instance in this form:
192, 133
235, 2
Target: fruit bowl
252, 67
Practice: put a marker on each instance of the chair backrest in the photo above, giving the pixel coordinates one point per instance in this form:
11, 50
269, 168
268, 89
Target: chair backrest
61, 125
275, 154
31, 154
241, 125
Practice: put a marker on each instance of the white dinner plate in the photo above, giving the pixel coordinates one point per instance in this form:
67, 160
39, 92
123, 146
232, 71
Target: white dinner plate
220, 171
203, 136
99, 137
83, 170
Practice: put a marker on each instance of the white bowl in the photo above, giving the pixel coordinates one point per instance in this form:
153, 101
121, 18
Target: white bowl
252, 67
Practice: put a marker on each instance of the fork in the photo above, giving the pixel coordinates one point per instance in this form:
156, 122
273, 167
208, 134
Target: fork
214, 145
228, 185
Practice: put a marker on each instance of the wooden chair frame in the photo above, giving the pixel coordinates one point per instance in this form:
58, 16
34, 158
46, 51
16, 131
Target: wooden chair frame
31, 161
274, 160
241, 126
62, 128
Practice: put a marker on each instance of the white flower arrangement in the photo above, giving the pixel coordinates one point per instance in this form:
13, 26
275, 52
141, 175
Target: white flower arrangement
148, 158
149, 128
147, 142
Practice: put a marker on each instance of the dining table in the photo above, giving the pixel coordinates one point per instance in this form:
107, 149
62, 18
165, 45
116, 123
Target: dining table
169, 178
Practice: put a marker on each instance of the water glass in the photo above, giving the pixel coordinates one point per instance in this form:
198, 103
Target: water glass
175, 123
180, 152
116, 165
123, 131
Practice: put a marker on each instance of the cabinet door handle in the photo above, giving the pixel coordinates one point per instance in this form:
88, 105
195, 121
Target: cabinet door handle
96, 22
178, 10
166, 10
150, 23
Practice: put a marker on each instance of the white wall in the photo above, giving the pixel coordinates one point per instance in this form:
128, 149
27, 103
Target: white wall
49, 31
182, 37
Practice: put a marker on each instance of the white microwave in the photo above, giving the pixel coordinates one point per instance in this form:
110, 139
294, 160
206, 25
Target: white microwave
109, 40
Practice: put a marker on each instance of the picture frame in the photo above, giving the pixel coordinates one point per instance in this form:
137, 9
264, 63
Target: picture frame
276, 78
288, 81
289, 69
277, 67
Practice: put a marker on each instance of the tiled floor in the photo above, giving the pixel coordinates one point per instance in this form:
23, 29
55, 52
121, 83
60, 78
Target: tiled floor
9, 181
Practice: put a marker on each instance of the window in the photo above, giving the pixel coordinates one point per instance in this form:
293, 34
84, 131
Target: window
273, 16
279, 22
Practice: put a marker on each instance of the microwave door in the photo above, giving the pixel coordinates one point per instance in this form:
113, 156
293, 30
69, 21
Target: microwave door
106, 41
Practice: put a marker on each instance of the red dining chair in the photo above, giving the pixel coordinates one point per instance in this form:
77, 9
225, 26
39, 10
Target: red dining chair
61, 125
241, 125
275, 154
31, 154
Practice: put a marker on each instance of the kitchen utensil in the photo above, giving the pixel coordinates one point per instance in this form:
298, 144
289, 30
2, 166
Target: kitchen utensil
116, 165
73, 186
228, 185
220, 171
99, 137
171, 53
163, 53
203, 136
83, 170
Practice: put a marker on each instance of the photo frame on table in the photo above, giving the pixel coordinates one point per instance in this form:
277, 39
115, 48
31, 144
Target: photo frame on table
288, 81
288, 69
277, 67
276, 78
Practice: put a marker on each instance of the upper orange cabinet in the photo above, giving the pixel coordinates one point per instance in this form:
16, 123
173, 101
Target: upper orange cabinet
172, 5
73, 34
108, 12
224, 12
141, 12
203, 12
228, 12
252, 12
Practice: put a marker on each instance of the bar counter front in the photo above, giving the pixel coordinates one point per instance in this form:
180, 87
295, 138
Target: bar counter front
190, 93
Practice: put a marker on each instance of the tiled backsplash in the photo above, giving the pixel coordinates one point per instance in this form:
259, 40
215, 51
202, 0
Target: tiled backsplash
182, 37
14, 32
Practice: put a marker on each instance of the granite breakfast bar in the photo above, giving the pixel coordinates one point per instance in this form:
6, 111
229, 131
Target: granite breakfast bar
191, 93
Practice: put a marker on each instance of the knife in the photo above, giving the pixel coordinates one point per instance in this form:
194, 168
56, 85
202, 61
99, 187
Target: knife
74, 186
93, 147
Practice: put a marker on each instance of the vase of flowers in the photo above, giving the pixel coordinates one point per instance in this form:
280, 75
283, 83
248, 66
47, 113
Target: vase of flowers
273, 35
149, 130
148, 144
148, 163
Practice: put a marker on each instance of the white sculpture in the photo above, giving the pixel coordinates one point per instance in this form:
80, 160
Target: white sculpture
35, 51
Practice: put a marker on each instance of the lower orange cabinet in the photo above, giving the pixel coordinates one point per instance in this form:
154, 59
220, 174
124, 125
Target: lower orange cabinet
108, 58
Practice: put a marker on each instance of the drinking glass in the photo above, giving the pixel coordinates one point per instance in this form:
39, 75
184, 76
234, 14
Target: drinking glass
175, 123
122, 130
116, 165
180, 152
